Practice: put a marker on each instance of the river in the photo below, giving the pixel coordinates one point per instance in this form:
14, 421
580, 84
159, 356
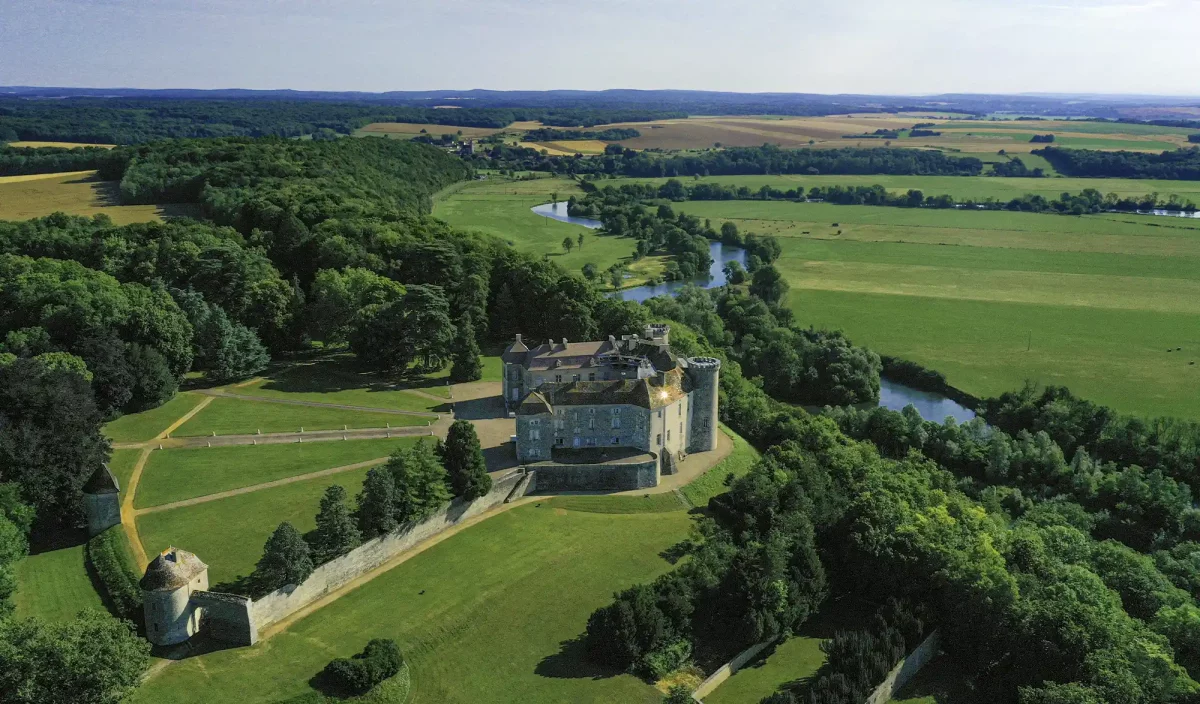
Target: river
894, 396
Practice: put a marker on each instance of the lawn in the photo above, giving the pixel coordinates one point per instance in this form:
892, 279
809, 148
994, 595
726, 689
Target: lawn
491, 614
121, 465
228, 534
230, 416
55, 585
138, 427
74, 193
185, 473
712, 482
502, 209
797, 658
325, 381
993, 299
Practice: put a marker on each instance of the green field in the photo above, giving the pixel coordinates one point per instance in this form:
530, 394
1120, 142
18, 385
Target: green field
185, 473
55, 585
121, 464
961, 187
490, 614
994, 298
138, 427
712, 482
230, 416
229, 533
336, 379
797, 658
502, 209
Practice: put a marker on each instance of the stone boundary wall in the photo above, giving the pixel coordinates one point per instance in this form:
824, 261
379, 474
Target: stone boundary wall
377, 551
596, 477
727, 670
905, 670
226, 617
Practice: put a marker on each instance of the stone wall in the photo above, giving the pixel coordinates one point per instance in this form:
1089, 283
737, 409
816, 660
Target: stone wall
596, 477
103, 511
226, 617
726, 671
374, 553
905, 670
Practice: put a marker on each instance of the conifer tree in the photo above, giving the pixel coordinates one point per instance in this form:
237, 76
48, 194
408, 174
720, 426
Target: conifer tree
286, 560
466, 365
463, 458
336, 532
420, 481
376, 503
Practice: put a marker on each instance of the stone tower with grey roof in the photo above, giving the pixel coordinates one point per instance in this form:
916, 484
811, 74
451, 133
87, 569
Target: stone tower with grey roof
613, 414
102, 500
167, 588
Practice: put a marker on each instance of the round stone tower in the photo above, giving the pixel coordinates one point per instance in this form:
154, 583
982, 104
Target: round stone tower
705, 375
102, 501
167, 589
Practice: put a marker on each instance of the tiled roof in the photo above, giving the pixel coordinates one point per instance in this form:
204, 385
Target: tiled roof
172, 569
102, 481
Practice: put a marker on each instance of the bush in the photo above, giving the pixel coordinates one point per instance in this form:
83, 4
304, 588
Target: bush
659, 663
109, 562
377, 662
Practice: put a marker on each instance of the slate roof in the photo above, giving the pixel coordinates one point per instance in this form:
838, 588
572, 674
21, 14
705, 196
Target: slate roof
172, 569
580, 355
646, 393
102, 481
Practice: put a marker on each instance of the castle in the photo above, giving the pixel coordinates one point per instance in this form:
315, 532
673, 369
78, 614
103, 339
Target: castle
615, 414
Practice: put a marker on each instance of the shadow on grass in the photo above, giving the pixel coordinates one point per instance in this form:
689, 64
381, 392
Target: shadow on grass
51, 538
678, 551
571, 662
197, 645
479, 408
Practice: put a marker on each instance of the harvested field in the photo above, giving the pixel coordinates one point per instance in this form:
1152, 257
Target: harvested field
74, 193
408, 130
63, 145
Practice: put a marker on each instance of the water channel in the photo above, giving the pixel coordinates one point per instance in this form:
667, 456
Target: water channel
893, 396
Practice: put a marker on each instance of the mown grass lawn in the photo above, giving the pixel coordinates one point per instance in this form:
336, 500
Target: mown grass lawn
712, 482
121, 464
796, 659
492, 614
228, 534
185, 473
138, 427
230, 416
55, 585
336, 379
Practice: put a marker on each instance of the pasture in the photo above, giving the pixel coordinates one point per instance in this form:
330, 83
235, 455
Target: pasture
992, 299
185, 473
74, 193
236, 416
55, 585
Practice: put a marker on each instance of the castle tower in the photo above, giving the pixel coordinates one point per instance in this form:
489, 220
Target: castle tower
102, 501
705, 375
167, 588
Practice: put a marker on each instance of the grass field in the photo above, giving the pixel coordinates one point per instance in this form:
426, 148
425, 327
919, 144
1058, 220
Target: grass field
229, 533
229, 416
139, 427
55, 585
961, 187
335, 379
408, 130
502, 209
185, 473
491, 614
993, 299
712, 482
121, 464
61, 145
74, 193
796, 659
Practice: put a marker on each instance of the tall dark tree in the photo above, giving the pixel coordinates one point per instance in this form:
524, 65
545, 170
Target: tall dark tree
463, 458
376, 503
466, 365
336, 532
420, 482
286, 560
769, 285
415, 329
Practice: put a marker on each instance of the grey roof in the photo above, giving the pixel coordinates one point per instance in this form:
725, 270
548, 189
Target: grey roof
646, 393
172, 569
102, 481
562, 354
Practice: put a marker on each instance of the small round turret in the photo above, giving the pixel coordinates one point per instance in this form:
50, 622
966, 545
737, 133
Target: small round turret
167, 588
704, 373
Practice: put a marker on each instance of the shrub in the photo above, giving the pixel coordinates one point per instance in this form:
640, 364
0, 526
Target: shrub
378, 661
659, 663
108, 560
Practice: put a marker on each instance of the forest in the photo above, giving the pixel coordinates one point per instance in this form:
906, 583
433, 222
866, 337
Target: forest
612, 134
1181, 164
19, 161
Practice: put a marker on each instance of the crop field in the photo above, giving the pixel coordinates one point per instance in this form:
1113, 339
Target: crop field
502, 209
61, 145
408, 130
232, 416
992, 299
961, 187
185, 473
74, 193
55, 585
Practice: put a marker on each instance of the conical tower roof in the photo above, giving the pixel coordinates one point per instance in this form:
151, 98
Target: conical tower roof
172, 569
102, 481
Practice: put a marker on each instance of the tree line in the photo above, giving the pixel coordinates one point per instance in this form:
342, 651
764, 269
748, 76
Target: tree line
18, 161
1179, 165
612, 134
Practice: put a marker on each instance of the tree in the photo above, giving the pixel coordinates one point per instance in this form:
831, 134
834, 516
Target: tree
463, 459
336, 533
420, 483
338, 295
734, 273
590, 271
466, 365
417, 328
13, 548
579, 241
568, 244
376, 503
769, 285
286, 560
153, 384
93, 659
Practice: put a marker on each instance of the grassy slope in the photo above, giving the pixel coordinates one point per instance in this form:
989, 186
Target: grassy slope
502, 209
712, 482
229, 416
1097, 301
55, 585
229, 533
488, 615
175, 475
146, 425
796, 658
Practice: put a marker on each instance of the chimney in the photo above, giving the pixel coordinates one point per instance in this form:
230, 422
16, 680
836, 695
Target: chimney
662, 379
518, 338
612, 340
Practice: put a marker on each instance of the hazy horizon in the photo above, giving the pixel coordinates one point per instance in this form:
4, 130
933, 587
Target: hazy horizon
866, 47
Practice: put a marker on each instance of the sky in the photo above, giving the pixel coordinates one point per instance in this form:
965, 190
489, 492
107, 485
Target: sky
896, 47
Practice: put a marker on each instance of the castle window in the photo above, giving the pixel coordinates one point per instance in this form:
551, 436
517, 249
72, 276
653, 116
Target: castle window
535, 434
591, 442
558, 441
680, 409
558, 378
681, 430
591, 411
616, 420
616, 440
574, 377
658, 441
668, 436
660, 413
591, 376
591, 423
704, 424
535, 421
